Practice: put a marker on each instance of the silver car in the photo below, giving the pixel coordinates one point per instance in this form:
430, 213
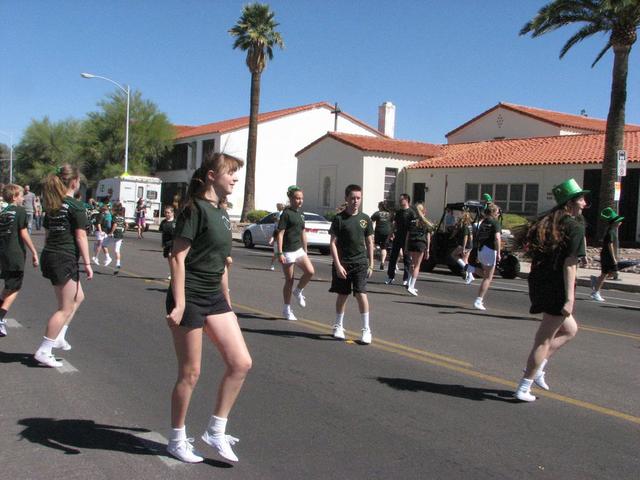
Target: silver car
316, 226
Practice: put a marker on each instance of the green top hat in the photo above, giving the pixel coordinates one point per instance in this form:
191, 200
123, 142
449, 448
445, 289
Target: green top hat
610, 215
567, 190
487, 198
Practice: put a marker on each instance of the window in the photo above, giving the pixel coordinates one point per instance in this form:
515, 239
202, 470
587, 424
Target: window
326, 192
140, 192
390, 177
152, 195
419, 190
208, 147
513, 198
174, 158
268, 219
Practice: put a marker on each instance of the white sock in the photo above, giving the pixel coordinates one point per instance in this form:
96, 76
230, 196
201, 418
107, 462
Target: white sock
46, 345
460, 262
339, 318
479, 299
525, 384
541, 368
471, 268
297, 291
178, 434
287, 308
62, 333
365, 320
217, 425
117, 263
412, 282
409, 279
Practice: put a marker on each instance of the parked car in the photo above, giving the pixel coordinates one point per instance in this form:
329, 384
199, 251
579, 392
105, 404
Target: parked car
443, 243
316, 226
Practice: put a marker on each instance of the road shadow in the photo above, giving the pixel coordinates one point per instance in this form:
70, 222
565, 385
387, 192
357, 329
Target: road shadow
490, 315
25, 359
460, 391
622, 307
158, 289
72, 436
426, 304
290, 334
256, 316
149, 250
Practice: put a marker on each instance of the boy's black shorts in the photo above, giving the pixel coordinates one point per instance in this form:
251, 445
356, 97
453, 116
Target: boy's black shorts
355, 282
196, 310
12, 280
59, 268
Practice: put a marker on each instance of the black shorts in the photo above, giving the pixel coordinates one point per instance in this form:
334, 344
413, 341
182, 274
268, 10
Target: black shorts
356, 280
546, 291
59, 268
12, 279
417, 246
198, 308
381, 240
166, 251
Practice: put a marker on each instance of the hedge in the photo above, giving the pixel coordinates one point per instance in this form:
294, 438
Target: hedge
255, 215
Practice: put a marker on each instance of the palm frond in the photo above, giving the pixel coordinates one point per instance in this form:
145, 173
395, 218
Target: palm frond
580, 35
601, 54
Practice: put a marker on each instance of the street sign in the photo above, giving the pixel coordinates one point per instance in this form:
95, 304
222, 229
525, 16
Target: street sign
616, 193
622, 163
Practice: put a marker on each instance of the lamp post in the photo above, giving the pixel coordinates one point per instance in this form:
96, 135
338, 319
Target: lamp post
10, 136
127, 91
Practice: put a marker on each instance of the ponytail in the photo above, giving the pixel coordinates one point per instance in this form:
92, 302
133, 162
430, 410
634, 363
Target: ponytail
56, 186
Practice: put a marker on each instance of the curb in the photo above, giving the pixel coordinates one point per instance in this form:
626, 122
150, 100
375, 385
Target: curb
607, 285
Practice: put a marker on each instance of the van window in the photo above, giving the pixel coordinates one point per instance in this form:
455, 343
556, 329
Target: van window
140, 192
152, 195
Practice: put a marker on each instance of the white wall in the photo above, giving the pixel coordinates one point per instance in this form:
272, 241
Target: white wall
504, 123
373, 178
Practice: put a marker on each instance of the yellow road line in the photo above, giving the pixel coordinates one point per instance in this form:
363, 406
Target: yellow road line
608, 331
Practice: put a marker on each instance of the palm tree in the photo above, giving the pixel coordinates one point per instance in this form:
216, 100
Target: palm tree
619, 19
255, 33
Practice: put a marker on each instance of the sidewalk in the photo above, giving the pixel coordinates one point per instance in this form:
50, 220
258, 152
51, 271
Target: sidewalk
629, 282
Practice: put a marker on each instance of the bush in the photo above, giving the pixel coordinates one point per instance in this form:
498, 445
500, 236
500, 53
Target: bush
255, 215
511, 220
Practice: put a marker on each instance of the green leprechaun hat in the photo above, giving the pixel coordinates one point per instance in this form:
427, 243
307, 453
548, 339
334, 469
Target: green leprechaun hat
609, 215
567, 190
487, 198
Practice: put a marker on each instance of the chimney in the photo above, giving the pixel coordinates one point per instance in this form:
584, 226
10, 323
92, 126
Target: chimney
387, 119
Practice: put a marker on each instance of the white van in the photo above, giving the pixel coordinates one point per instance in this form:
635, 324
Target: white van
127, 189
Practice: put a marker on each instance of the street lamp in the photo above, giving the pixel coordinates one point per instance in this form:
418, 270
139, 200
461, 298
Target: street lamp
10, 154
127, 91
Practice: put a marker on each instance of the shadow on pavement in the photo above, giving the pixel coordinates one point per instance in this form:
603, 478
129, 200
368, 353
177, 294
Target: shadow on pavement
71, 436
490, 315
425, 304
256, 316
469, 393
290, 334
25, 359
158, 289
154, 251
623, 307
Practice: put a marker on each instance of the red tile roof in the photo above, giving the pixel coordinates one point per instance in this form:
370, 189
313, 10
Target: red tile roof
557, 150
558, 119
383, 145
242, 122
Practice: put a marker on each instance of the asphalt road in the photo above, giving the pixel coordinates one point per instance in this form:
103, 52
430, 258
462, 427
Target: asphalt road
429, 398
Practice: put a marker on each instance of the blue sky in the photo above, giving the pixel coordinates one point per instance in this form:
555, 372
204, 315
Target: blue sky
440, 62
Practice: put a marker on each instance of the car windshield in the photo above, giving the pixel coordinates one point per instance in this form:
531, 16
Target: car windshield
313, 217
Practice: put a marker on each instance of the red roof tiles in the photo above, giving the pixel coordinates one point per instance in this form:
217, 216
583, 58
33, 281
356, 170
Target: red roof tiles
559, 119
242, 122
558, 150
383, 145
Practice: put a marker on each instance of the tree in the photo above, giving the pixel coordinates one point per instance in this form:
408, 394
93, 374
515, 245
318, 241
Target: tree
103, 140
44, 146
255, 32
619, 19
5, 153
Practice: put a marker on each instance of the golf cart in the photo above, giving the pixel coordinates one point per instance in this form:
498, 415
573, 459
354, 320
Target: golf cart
443, 241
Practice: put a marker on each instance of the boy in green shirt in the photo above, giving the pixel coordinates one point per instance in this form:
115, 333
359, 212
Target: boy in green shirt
14, 237
351, 247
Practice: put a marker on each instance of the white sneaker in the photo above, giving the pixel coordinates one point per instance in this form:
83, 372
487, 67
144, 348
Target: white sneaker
388, 281
183, 450
540, 381
272, 268
288, 315
412, 291
338, 332
95, 260
478, 304
222, 443
107, 261
366, 336
3, 328
63, 344
47, 359
523, 393
597, 297
405, 283
593, 280
300, 298
468, 278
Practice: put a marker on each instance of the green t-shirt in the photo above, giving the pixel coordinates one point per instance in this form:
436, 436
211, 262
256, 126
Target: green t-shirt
121, 226
383, 222
486, 235
351, 232
572, 245
167, 227
62, 225
209, 230
462, 232
402, 219
292, 222
12, 250
418, 230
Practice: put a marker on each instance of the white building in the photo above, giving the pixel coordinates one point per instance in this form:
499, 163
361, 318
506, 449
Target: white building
280, 135
515, 153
